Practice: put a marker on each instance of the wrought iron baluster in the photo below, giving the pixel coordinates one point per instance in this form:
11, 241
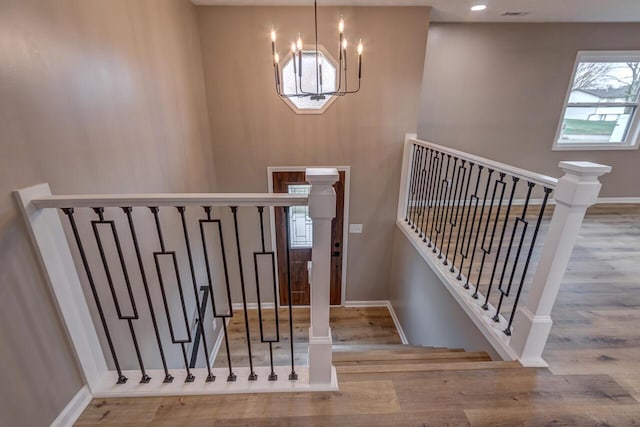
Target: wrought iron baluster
449, 209
156, 256
431, 196
457, 193
515, 180
272, 376
129, 318
293, 375
443, 183
421, 186
252, 375
201, 313
427, 203
69, 213
477, 233
198, 334
223, 317
460, 236
412, 183
487, 251
547, 192
433, 239
525, 224
128, 210
416, 189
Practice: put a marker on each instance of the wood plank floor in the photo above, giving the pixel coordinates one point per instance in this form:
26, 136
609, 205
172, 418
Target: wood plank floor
593, 351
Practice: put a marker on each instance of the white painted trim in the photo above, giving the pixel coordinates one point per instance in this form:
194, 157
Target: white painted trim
72, 411
617, 200
632, 140
382, 303
396, 321
59, 270
170, 199
108, 387
491, 330
345, 224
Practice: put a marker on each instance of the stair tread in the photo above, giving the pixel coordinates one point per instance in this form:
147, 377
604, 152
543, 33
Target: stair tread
400, 348
422, 367
407, 356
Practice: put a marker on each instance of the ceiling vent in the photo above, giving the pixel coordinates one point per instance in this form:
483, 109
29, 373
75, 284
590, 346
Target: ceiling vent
515, 14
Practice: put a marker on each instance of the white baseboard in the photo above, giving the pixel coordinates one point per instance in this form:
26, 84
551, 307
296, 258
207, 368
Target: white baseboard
382, 303
617, 200
74, 408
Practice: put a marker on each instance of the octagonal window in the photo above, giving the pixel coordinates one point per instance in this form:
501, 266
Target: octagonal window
310, 81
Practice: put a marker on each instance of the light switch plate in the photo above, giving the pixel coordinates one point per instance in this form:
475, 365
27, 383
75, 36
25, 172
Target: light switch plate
355, 228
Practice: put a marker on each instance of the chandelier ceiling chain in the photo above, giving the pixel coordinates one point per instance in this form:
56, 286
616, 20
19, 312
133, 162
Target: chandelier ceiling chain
296, 54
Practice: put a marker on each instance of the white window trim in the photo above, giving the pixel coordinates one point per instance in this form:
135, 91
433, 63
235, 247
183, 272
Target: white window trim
330, 100
632, 139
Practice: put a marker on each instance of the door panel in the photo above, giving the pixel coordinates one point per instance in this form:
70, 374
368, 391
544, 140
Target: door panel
299, 248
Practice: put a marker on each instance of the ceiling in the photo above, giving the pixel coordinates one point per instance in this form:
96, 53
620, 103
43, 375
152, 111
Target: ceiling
458, 10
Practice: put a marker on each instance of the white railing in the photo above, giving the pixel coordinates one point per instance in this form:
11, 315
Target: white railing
39, 208
479, 224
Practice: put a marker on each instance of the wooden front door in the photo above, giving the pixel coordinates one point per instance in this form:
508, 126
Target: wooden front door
300, 242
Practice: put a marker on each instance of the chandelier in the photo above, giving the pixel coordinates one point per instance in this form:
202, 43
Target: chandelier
316, 93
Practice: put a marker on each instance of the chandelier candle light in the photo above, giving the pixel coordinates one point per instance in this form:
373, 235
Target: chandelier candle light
297, 52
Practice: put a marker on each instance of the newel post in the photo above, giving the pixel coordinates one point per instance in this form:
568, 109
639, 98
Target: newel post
576, 191
322, 209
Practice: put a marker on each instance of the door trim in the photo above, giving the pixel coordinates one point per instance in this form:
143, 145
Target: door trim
345, 222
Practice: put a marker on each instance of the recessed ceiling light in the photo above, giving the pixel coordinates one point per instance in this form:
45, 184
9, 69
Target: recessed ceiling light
478, 7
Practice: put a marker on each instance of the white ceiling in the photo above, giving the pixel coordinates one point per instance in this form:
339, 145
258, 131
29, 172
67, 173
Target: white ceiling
458, 10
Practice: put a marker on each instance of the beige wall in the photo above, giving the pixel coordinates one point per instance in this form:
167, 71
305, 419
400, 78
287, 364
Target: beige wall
252, 128
497, 90
95, 96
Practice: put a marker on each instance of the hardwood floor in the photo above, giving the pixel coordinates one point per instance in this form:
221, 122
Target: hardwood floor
593, 352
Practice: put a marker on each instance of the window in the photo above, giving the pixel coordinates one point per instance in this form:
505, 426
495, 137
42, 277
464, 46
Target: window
300, 230
310, 82
601, 107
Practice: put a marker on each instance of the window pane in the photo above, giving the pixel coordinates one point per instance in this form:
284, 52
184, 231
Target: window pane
300, 230
309, 82
597, 82
596, 124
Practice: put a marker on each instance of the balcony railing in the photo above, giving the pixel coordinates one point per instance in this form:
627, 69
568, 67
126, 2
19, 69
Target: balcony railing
496, 235
158, 269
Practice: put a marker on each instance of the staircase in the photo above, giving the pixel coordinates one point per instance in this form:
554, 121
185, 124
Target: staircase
391, 358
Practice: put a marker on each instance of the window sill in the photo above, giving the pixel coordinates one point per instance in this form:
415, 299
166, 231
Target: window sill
576, 146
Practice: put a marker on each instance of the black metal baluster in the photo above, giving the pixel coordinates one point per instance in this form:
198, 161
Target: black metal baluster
460, 236
457, 194
252, 375
426, 201
449, 208
416, 188
437, 190
196, 338
518, 220
216, 315
201, 313
411, 183
487, 251
293, 375
421, 185
127, 210
94, 224
437, 164
442, 193
464, 253
547, 192
477, 233
156, 256
514, 184
69, 212
273, 376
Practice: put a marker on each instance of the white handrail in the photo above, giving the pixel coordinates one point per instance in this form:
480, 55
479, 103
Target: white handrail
171, 199
544, 180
